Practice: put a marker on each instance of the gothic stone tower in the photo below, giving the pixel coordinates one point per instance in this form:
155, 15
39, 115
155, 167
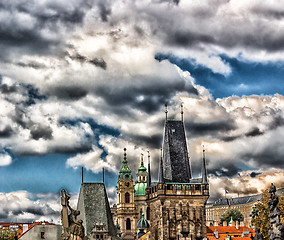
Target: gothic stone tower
177, 202
126, 212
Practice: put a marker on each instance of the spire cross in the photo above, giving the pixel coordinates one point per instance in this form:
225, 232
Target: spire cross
181, 112
142, 161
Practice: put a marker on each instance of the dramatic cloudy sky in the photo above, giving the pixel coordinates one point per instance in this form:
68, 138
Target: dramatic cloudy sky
82, 79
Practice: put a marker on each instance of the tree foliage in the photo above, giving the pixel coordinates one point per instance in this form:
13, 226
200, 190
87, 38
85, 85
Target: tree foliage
7, 234
260, 213
234, 214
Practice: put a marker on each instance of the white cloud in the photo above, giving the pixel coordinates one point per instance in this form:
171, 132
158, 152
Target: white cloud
5, 159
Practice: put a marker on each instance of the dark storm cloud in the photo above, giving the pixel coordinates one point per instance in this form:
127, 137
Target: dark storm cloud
203, 128
230, 138
105, 10
268, 156
254, 174
278, 121
188, 38
152, 141
6, 132
254, 132
40, 131
32, 64
227, 169
36, 20
6, 89
147, 98
68, 92
98, 62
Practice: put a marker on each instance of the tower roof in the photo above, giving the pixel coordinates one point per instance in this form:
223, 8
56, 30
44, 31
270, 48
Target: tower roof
125, 172
174, 165
143, 223
142, 169
94, 207
140, 189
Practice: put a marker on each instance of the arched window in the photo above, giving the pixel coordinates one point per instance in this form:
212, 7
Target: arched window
128, 224
127, 197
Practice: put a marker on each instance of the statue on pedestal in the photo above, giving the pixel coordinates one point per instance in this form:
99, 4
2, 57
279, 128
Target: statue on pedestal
275, 228
72, 228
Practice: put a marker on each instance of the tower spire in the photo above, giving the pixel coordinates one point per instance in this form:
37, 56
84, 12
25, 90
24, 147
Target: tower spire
125, 172
181, 112
166, 111
149, 171
82, 174
204, 171
161, 172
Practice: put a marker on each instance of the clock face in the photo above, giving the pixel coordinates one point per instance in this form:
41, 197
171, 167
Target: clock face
127, 184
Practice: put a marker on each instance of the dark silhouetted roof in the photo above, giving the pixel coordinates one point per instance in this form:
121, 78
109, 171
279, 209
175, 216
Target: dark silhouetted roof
174, 166
94, 207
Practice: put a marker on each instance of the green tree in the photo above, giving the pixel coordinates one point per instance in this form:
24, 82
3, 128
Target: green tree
234, 214
260, 213
7, 234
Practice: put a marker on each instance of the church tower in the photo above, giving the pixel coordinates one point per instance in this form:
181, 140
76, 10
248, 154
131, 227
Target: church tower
126, 213
140, 188
177, 201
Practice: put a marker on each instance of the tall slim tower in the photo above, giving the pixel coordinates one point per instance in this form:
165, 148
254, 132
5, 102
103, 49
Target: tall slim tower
177, 201
140, 189
126, 213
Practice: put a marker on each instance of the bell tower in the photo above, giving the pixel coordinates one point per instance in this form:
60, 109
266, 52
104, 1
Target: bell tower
140, 188
126, 214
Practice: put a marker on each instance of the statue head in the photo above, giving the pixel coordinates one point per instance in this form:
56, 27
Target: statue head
77, 212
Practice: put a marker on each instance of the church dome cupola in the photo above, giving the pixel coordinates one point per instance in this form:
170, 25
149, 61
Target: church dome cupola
125, 172
143, 223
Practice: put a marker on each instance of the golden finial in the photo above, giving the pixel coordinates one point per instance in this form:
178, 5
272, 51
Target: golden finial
142, 161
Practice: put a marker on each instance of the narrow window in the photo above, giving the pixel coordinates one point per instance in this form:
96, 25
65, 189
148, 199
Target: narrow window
127, 197
128, 224
42, 235
148, 213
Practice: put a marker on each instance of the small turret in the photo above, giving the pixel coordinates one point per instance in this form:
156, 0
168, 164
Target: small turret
149, 171
204, 171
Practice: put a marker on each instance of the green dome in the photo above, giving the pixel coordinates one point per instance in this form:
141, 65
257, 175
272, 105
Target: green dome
143, 223
140, 189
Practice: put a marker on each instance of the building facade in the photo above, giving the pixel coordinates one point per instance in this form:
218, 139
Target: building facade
215, 210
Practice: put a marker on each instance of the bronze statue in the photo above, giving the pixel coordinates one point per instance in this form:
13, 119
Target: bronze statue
72, 228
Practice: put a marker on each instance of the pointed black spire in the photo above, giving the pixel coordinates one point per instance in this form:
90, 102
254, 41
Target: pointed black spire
181, 112
166, 111
161, 172
204, 171
82, 174
103, 175
149, 172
